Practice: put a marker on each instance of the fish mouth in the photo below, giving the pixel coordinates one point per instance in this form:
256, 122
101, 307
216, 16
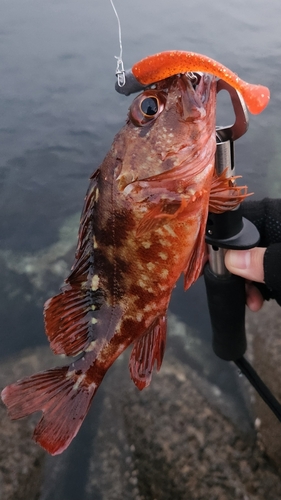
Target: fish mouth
196, 90
201, 84
194, 95
197, 86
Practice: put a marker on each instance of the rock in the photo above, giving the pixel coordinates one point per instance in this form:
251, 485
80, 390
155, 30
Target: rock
169, 442
21, 460
179, 438
264, 331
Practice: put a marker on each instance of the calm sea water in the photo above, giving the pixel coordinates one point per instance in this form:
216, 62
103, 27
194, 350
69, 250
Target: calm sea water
59, 113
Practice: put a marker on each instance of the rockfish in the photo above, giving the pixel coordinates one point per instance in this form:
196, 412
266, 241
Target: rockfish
142, 226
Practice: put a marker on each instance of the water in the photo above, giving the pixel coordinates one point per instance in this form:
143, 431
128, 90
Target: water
59, 114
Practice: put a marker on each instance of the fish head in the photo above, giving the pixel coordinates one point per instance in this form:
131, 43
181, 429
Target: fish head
180, 98
172, 123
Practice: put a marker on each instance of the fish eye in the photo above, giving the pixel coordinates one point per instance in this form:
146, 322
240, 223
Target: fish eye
147, 107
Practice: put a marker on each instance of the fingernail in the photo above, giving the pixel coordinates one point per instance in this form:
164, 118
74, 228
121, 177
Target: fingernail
240, 259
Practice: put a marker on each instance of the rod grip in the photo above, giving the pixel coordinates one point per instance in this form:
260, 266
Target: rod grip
226, 300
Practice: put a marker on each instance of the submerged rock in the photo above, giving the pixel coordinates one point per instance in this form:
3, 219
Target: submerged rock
47, 267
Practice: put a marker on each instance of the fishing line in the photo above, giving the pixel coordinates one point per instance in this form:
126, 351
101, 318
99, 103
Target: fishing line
120, 71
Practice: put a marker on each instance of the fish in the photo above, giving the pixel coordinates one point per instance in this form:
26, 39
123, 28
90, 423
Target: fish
142, 227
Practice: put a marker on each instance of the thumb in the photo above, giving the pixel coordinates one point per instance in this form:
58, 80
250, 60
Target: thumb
246, 263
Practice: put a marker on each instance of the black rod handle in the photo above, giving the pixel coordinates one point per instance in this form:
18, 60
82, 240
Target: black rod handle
226, 301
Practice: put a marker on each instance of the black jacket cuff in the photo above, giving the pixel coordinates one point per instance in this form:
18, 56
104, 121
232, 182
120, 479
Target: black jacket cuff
272, 268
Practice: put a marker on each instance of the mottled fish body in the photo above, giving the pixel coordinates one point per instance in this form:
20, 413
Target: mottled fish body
142, 226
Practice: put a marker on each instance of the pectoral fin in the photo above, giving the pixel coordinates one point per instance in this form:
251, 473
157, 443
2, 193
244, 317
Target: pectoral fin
164, 211
224, 194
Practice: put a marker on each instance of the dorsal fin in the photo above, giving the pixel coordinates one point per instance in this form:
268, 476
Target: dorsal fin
85, 248
71, 315
148, 349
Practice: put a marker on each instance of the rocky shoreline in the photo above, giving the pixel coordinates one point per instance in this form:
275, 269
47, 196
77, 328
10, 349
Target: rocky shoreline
172, 440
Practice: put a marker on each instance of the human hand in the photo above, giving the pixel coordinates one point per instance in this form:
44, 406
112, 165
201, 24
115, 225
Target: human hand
261, 267
250, 265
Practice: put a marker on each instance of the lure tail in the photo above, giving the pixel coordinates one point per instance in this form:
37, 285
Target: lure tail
62, 398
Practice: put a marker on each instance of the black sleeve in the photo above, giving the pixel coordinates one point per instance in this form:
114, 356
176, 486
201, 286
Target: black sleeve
266, 215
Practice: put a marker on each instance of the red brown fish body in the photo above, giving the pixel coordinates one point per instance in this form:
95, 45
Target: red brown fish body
142, 226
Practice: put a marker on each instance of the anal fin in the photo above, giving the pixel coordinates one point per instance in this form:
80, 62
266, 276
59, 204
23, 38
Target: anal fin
147, 350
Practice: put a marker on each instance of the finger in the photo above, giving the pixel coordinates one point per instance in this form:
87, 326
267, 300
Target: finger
246, 263
254, 298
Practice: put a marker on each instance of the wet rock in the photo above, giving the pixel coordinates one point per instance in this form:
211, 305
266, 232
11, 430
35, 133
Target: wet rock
21, 460
179, 438
169, 441
264, 332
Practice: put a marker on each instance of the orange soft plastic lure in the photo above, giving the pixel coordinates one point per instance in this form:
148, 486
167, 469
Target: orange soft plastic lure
164, 64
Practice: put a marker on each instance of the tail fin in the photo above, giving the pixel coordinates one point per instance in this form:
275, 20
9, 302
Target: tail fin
62, 397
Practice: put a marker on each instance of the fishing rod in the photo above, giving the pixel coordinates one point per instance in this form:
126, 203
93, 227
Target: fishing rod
225, 291
229, 230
